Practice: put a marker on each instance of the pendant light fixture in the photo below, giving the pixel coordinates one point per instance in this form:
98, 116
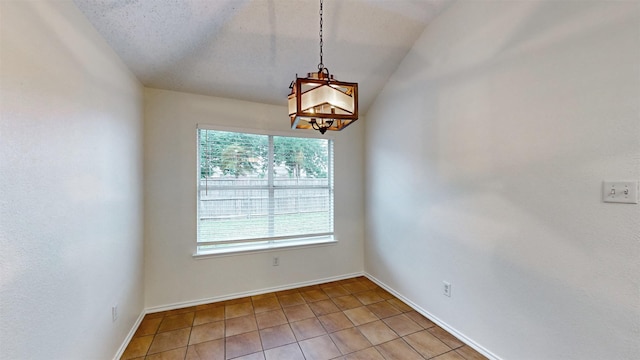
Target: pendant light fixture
321, 102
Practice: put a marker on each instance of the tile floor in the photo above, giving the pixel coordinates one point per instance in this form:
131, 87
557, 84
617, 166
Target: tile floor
352, 319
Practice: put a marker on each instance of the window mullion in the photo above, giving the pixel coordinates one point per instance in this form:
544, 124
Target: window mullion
330, 180
270, 176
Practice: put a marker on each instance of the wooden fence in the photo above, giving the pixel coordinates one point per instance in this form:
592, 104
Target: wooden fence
222, 198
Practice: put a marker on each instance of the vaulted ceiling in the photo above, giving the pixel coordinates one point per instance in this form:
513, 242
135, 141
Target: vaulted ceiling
253, 49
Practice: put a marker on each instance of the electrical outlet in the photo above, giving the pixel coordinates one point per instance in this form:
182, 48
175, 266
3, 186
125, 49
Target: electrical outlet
276, 261
446, 288
114, 312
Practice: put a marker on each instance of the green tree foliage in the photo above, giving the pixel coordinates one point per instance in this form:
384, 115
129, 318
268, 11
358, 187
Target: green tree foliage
236, 160
233, 154
301, 156
238, 154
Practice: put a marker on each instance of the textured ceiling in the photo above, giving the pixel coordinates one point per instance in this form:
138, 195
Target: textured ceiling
252, 49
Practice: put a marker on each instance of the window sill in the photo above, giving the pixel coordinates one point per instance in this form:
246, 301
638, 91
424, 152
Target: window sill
251, 248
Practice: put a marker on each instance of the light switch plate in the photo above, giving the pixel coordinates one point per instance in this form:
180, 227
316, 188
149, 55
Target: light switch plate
620, 192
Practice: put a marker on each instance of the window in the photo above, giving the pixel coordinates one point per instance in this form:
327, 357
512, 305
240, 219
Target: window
262, 191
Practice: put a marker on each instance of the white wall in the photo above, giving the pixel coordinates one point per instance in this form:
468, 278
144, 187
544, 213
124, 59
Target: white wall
70, 187
172, 275
486, 154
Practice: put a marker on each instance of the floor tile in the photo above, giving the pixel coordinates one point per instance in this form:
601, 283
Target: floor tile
298, 312
137, 347
270, 318
319, 348
243, 344
314, 295
306, 329
377, 332
384, 293
329, 284
419, 319
287, 352
336, 321
323, 307
360, 315
291, 299
266, 304
366, 354
347, 302
286, 292
426, 344
335, 291
148, 326
254, 356
402, 325
398, 350
354, 287
169, 340
276, 336
263, 296
209, 306
399, 304
175, 322
175, 354
207, 332
451, 355
210, 350
237, 310
240, 325
445, 337
349, 340
309, 288
237, 301
369, 284
180, 311
469, 353
209, 315
193, 355
383, 309
156, 315
368, 297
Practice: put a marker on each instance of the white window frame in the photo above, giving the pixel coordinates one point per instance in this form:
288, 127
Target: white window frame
272, 243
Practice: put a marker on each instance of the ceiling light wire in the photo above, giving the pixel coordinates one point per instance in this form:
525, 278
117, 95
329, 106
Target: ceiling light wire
321, 65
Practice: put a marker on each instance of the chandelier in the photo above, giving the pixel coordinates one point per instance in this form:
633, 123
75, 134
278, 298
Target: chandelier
321, 102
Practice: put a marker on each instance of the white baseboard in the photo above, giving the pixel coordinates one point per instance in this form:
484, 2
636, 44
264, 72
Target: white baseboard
126, 341
435, 319
179, 305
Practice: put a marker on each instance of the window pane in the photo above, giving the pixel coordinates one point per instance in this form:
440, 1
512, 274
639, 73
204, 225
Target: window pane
302, 211
298, 160
233, 215
235, 155
243, 197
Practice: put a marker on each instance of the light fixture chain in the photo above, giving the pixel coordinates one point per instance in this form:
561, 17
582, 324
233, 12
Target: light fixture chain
321, 65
